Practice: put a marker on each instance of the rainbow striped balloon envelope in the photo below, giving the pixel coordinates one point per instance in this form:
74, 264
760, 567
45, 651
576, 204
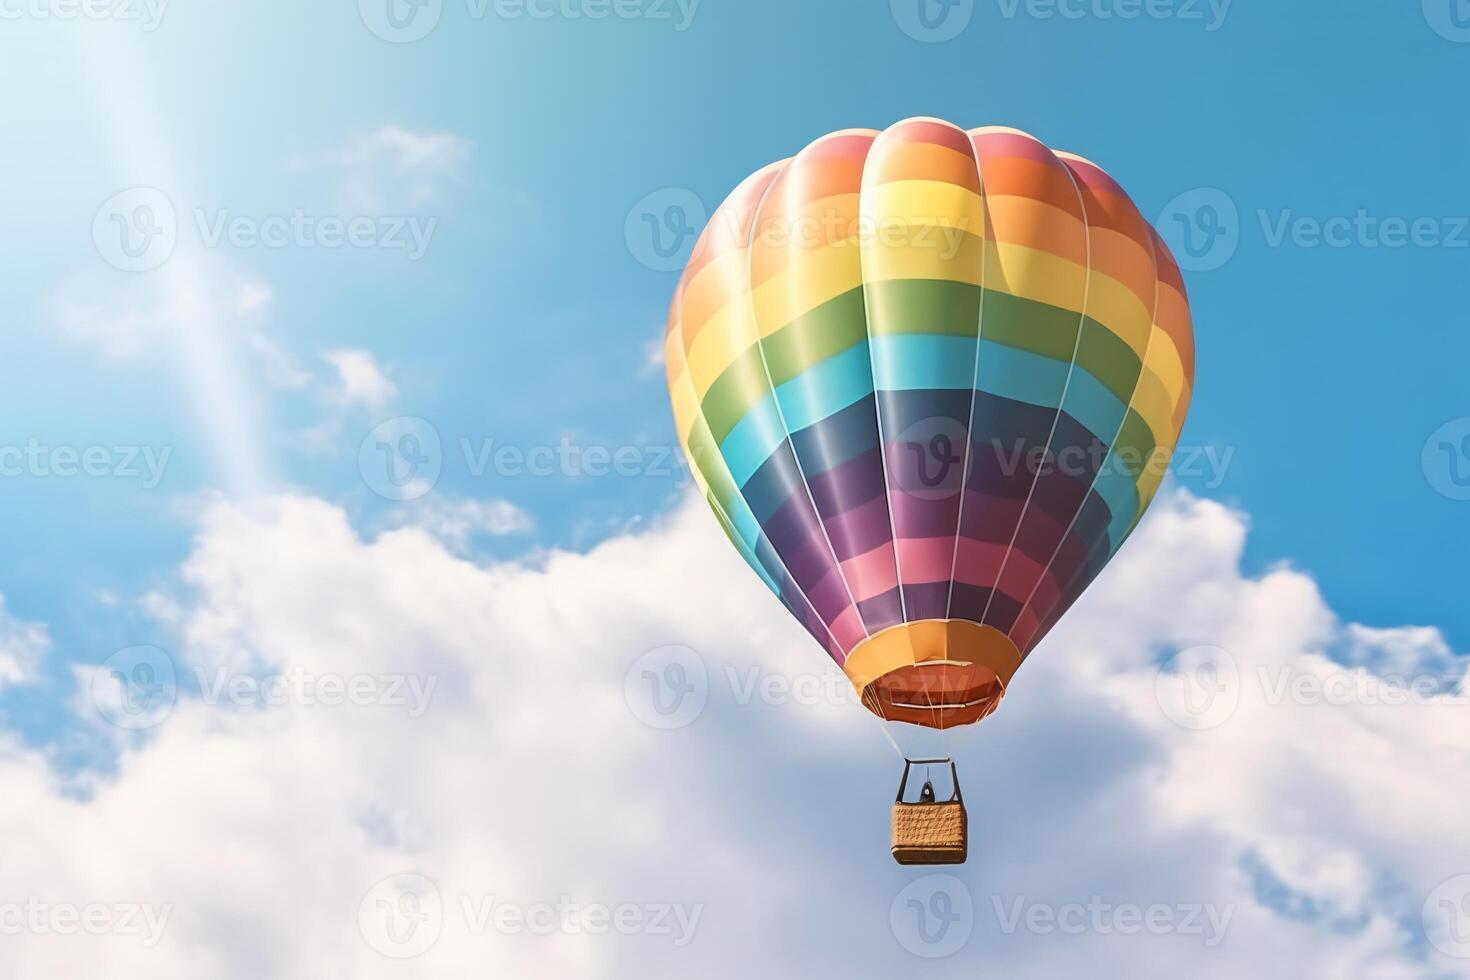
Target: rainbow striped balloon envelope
929, 380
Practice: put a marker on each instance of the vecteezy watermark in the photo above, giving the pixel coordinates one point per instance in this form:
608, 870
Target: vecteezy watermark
1203, 229
1209, 464
1199, 687
1364, 230
755, 685
137, 230
37, 460
135, 688
670, 687
667, 687
1446, 459
406, 21
661, 228
299, 686
1450, 19
1446, 917
676, 921
300, 229
666, 222
933, 916
147, 14
932, 21
403, 916
1098, 916
132, 920
1344, 686
573, 460
1210, 14
402, 458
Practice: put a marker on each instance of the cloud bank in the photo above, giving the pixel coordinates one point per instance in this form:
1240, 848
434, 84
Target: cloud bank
375, 758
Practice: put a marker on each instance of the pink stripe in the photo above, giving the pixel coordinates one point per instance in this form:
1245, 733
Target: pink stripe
1046, 592
1024, 629
1013, 145
872, 573
1096, 178
923, 131
848, 629
979, 562
925, 559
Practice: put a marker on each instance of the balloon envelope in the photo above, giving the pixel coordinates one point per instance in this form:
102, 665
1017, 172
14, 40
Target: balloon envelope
928, 381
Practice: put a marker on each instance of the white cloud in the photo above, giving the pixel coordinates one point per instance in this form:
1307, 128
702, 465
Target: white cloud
22, 646
125, 318
1315, 831
359, 379
456, 523
392, 167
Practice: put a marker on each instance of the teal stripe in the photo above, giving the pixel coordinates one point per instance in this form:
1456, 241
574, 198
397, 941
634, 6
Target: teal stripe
745, 523
827, 388
922, 361
1021, 375
1090, 402
753, 440
1117, 489
1025, 376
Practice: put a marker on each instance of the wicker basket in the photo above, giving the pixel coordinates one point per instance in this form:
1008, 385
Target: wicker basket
930, 831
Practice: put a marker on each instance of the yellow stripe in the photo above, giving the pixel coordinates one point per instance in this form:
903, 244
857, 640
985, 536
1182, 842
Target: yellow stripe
1116, 307
811, 279
1034, 274
1164, 361
923, 202
1154, 405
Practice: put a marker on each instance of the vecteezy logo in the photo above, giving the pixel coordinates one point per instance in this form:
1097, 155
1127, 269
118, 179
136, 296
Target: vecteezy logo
1202, 228
1446, 916
667, 687
661, 229
933, 916
1446, 459
136, 230
1199, 687
402, 458
402, 917
136, 687
932, 21
1449, 18
401, 21
929, 459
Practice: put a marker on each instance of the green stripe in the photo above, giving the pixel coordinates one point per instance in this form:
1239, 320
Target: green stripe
1134, 444
742, 385
816, 335
936, 306
918, 306
1107, 357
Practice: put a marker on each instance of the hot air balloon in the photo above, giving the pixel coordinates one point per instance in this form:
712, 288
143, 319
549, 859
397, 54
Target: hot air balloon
928, 380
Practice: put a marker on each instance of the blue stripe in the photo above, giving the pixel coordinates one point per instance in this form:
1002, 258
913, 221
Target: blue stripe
922, 361
1021, 375
826, 388
1090, 402
753, 440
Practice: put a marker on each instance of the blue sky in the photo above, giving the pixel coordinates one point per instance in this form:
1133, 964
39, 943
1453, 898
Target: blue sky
1328, 296
1323, 369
